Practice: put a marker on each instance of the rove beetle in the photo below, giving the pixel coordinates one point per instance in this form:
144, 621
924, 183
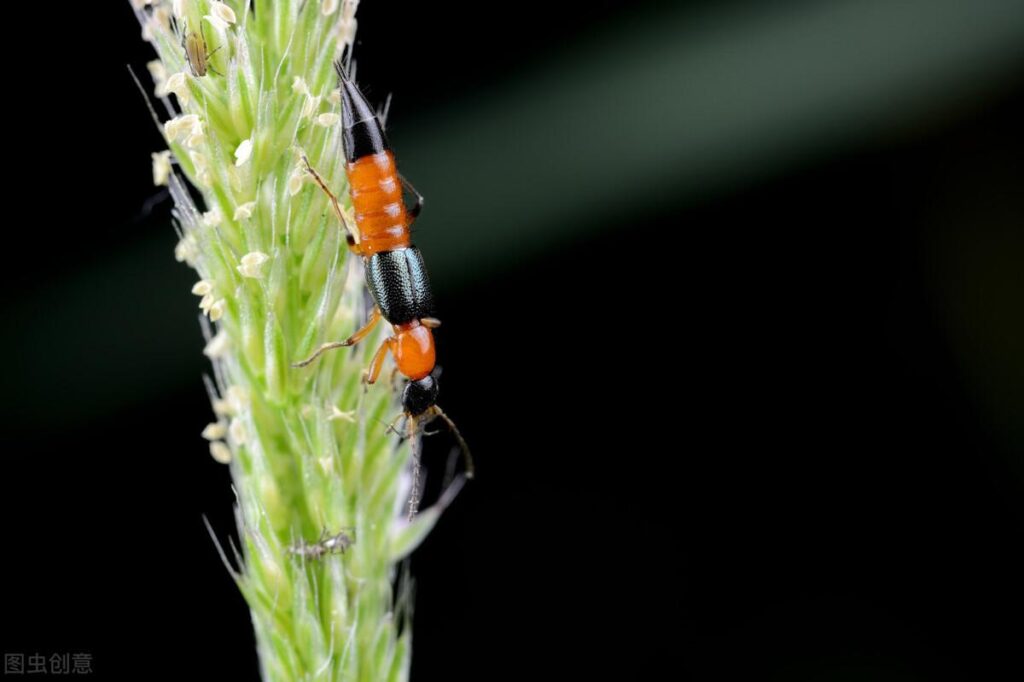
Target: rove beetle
395, 273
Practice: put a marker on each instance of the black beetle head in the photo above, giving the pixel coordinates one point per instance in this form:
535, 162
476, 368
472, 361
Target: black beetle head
419, 396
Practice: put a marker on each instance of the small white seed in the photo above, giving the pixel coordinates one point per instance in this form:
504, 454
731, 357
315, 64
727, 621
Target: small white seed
161, 167
220, 452
243, 152
252, 264
244, 211
215, 431
328, 120
178, 84
212, 218
222, 12
217, 346
222, 408
336, 414
158, 72
186, 250
217, 309
296, 180
180, 127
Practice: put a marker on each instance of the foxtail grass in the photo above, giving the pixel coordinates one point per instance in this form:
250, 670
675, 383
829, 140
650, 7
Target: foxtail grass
242, 91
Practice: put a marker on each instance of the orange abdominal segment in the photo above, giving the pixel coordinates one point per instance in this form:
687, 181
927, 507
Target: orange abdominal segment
376, 193
414, 350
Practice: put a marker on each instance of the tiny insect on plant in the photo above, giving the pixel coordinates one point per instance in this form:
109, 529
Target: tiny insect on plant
197, 55
327, 544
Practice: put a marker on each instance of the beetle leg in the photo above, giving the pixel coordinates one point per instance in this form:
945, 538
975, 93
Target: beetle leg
350, 341
414, 211
378, 360
352, 233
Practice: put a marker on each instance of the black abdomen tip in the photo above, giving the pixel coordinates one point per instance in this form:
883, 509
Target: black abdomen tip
363, 133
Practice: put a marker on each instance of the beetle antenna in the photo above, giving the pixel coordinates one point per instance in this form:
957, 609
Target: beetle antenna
466, 455
390, 428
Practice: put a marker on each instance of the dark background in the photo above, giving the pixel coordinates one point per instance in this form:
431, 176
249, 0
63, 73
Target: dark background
740, 353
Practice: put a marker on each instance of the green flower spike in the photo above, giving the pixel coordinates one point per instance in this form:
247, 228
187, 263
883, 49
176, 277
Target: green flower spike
248, 89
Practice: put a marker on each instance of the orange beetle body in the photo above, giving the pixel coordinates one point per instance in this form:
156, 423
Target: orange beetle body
395, 273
